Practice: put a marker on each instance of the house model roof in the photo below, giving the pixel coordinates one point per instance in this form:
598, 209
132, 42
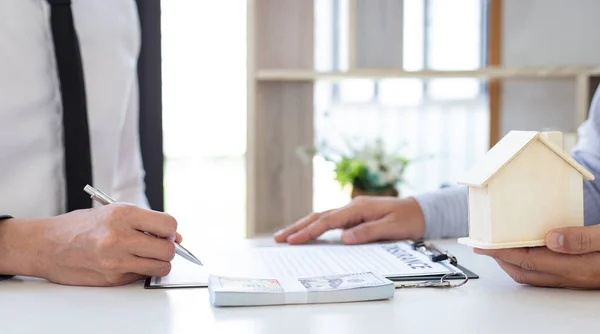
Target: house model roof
506, 150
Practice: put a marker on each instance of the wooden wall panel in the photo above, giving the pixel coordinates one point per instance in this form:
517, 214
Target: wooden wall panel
284, 34
378, 31
541, 34
280, 115
494, 59
285, 123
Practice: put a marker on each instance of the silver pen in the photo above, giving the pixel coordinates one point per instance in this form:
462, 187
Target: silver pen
102, 198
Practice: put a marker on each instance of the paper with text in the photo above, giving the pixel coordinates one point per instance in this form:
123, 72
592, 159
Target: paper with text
389, 259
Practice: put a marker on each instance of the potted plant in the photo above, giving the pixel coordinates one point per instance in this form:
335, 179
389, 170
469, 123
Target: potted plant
369, 169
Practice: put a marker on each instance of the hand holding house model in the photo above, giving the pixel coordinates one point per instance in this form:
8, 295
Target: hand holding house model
523, 187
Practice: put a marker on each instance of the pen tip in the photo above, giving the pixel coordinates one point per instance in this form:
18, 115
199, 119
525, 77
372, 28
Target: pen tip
187, 254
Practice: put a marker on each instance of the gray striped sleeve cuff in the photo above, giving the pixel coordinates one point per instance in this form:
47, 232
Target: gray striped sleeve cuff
446, 212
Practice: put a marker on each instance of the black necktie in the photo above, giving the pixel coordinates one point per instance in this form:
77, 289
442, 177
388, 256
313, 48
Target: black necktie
78, 161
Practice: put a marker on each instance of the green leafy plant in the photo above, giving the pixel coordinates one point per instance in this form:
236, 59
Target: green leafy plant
368, 167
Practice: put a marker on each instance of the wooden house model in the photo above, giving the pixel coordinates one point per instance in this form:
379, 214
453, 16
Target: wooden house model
524, 186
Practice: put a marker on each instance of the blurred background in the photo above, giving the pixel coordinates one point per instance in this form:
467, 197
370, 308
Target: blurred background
231, 68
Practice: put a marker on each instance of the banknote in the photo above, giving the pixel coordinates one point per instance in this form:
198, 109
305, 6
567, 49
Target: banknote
232, 291
250, 284
341, 282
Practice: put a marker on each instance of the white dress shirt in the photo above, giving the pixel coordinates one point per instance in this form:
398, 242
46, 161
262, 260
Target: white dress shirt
32, 180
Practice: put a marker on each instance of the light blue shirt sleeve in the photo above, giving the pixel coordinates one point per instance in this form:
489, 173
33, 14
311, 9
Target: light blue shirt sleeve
587, 153
446, 210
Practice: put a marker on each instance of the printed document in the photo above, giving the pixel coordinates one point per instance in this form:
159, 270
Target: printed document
396, 259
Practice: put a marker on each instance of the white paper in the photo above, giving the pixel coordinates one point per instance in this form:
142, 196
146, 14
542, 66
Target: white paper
183, 272
388, 260
391, 259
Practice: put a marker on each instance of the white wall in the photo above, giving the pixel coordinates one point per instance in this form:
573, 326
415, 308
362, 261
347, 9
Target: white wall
546, 33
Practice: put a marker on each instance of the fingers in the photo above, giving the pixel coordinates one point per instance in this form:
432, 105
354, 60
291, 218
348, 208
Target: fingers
574, 240
535, 259
283, 235
361, 210
380, 229
341, 218
149, 267
121, 270
149, 247
157, 223
178, 238
536, 278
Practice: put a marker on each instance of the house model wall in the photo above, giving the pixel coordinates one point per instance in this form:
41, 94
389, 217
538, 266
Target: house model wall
523, 187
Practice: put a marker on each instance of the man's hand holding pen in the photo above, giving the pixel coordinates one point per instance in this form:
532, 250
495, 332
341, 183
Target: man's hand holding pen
99, 247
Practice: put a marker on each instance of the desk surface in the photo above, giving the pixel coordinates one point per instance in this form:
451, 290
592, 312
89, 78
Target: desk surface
491, 304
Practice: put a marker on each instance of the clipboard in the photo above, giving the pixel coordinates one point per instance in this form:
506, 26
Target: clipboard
427, 250
436, 255
154, 283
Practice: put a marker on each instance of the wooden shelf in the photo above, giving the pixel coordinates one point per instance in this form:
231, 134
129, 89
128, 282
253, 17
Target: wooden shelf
485, 73
280, 86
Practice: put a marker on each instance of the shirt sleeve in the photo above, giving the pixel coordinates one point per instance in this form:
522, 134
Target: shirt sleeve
129, 182
4, 277
587, 153
445, 212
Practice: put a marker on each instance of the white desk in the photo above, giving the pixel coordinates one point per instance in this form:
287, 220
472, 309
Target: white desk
491, 304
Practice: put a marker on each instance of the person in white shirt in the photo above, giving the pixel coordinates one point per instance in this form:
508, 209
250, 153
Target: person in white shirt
100, 246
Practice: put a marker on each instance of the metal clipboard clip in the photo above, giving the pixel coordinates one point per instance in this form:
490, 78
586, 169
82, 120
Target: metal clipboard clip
435, 255
441, 283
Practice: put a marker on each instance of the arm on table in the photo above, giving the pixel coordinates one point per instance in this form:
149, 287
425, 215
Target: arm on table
15, 240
